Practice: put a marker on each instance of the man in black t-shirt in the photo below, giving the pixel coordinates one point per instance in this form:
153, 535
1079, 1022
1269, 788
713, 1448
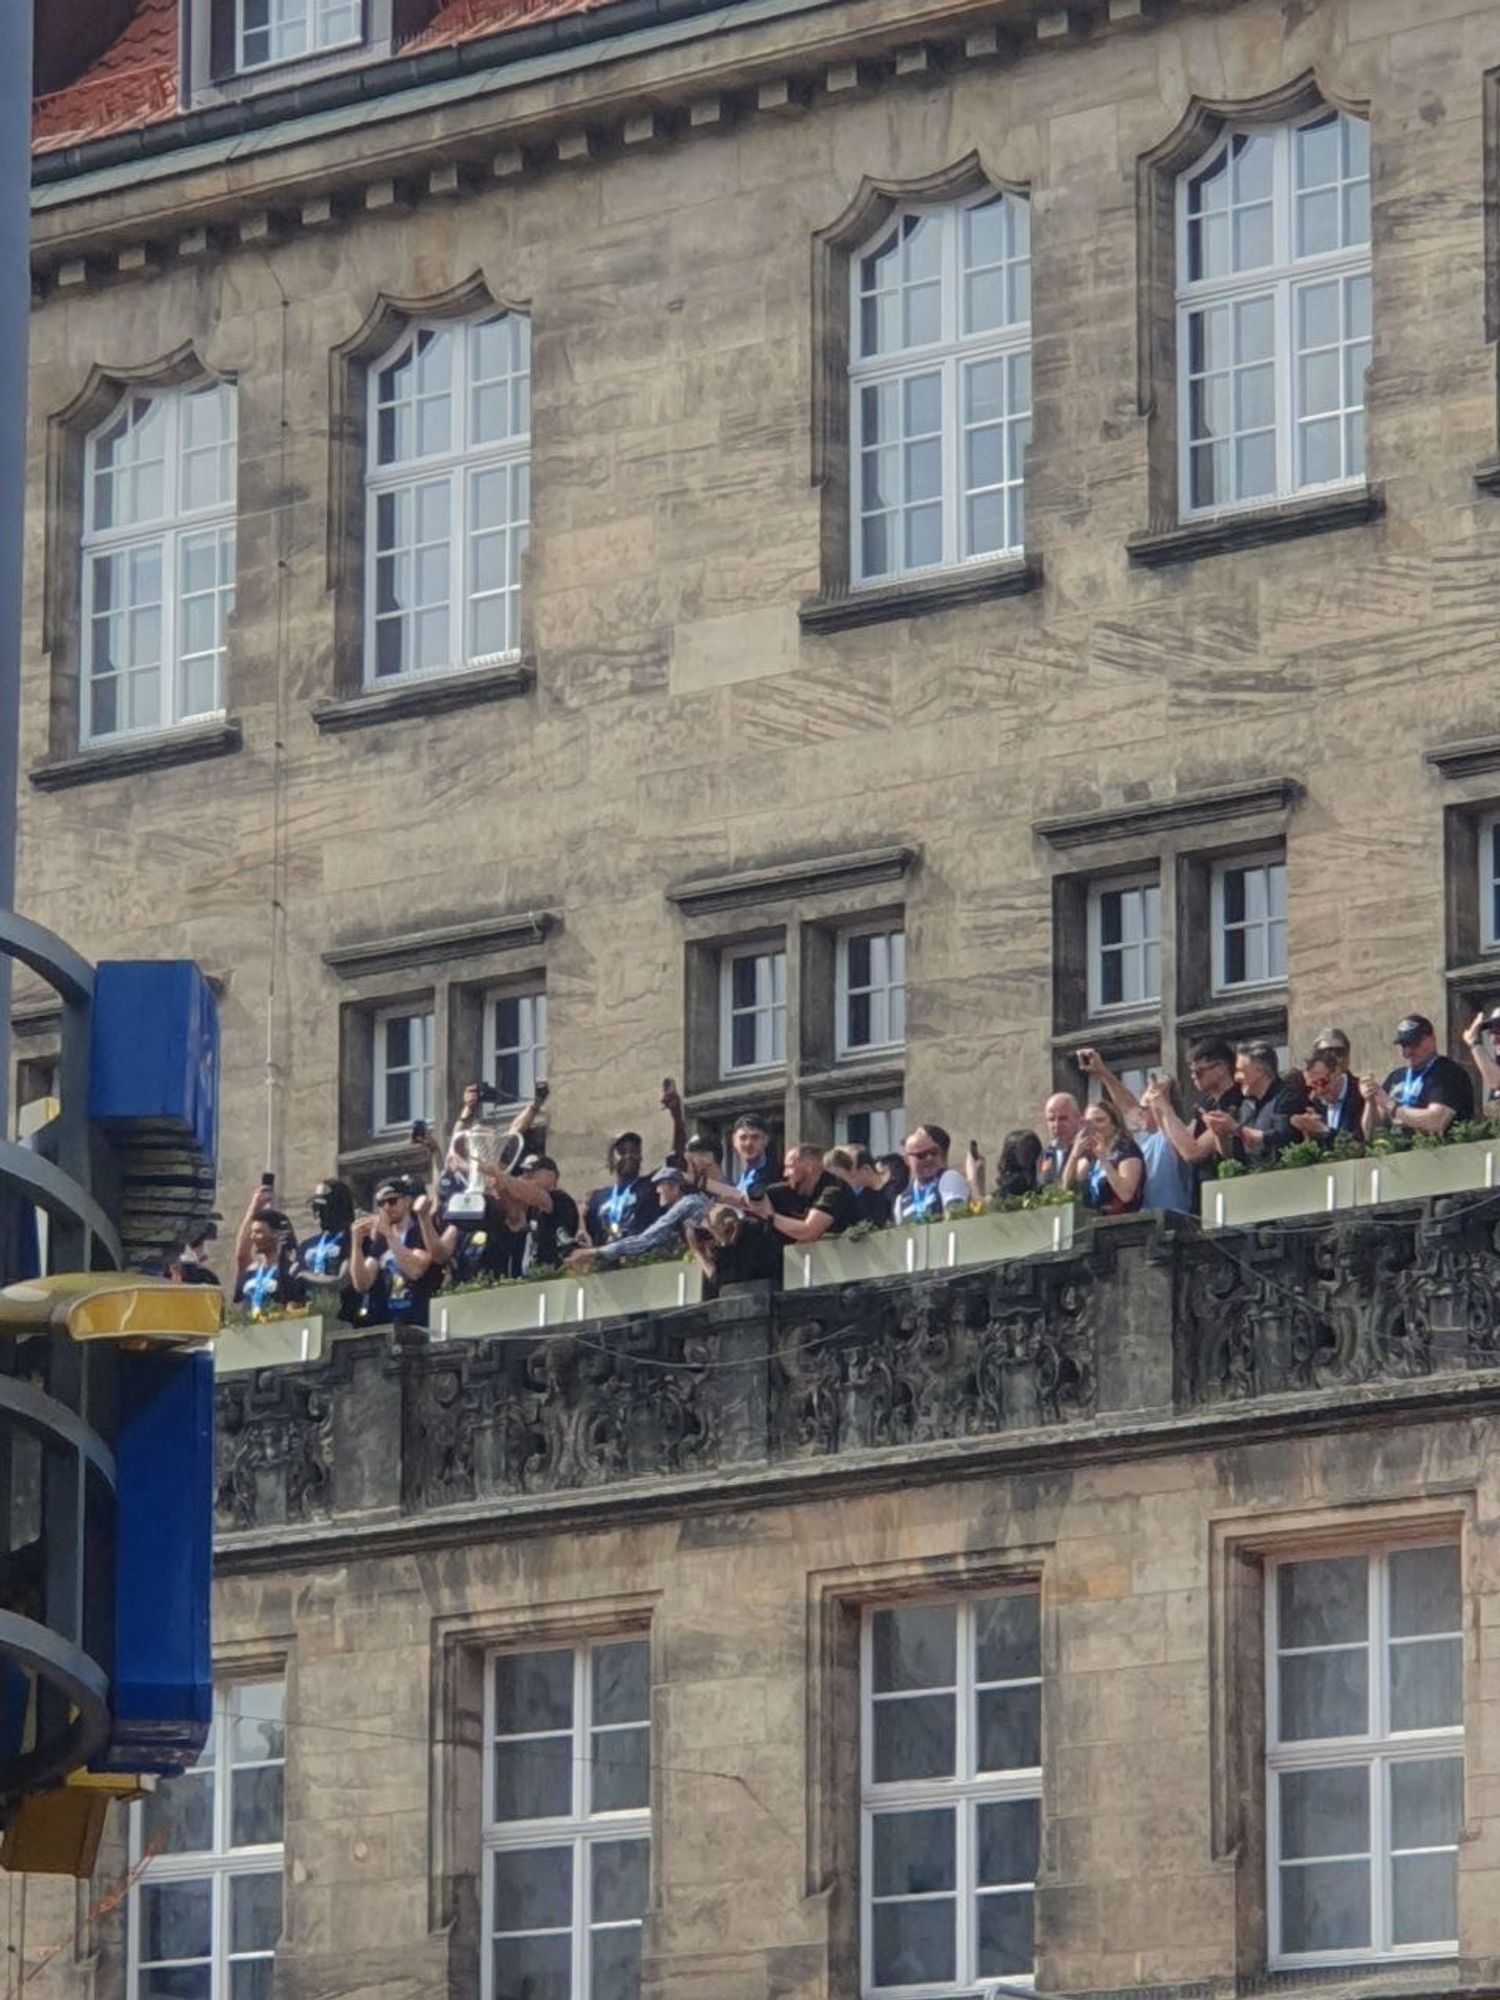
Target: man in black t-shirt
1260, 1126
808, 1203
1426, 1094
629, 1203
389, 1265
551, 1232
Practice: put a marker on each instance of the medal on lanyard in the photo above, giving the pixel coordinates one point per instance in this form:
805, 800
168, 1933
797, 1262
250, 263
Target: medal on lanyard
1411, 1088
614, 1210
262, 1285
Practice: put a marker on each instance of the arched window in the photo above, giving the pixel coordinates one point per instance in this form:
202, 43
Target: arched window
158, 559
940, 388
448, 495
1273, 261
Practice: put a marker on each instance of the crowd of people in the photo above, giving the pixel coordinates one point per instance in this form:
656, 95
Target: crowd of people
490, 1210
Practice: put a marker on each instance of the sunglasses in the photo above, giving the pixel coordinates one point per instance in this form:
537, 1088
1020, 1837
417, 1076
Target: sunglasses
387, 1200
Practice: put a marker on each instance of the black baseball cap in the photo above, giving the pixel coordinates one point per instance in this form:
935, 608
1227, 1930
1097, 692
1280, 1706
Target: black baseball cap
624, 1139
1412, 1028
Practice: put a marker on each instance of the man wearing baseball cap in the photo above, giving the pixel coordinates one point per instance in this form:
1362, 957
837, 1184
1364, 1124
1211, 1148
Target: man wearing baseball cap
681, 1209
1426, 1094
630, 1201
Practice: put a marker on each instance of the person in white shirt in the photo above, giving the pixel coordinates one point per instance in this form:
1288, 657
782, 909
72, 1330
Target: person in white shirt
935, 1188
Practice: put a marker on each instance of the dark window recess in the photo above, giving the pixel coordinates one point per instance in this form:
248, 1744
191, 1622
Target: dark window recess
508, 1056
223, 56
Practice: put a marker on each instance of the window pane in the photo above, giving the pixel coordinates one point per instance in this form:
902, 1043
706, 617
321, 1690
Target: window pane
1325, 1906
622, 1769
1424, 1898
257, 1728
254, 1912
1010, 1728
1324, 1694
534, 1968
1426, 1684
622, 1681
1427, 1803
1009, 1837
252, 1979
1007, 1637
1325, 1812
533, 1888
533, 1691
178, 1982
176, 1919
914, 1738
534, 1778
915, 1647
178, 1818
913, 1942
257, 1805
619, 1875
1323, 1603
1006, 1926
914, 1853
615, 1970
1424, 1591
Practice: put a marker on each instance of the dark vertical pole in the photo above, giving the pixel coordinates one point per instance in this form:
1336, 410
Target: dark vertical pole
15, 314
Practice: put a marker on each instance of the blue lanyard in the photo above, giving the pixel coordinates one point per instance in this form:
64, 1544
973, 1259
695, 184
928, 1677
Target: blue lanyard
261, 1290
926, 1199
1098, 1182
1410, 1088
748, 1176
324, 1256
614, 1207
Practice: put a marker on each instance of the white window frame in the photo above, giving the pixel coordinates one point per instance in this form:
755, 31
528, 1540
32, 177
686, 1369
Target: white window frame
421, 1073
456, 468
887, 994
770, 1008
1272, 858
530, 1051
948, 356
169, 534
578, 1829
1379, 1748
1129, 949
217, 1864
1280, 280
964, 1791
1488, 876
321, 39
888, 1109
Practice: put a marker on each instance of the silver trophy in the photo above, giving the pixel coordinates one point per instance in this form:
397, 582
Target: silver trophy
478, 1141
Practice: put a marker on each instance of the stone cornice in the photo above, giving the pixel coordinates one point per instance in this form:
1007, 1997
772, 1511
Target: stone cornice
1147, 817
485, 120
1456, 1397
812, 875
1469, 759
130, 756
446, 941
919, 597
423, 695
1256, 528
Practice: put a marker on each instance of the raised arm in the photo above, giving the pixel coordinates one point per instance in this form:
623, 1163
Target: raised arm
261, 1198
1483, 1058
1125, 1101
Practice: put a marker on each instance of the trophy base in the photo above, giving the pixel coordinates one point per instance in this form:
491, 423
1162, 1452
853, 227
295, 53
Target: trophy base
466, 1207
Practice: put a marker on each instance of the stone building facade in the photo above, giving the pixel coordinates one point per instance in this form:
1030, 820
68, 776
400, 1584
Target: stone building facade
1077, 737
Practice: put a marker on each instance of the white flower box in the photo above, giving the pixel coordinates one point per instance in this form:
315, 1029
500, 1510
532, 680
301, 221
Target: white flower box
534, 1307
931, 1246
889, 1253
997, 1238
270, 1343
1250, 1198
1428, 1170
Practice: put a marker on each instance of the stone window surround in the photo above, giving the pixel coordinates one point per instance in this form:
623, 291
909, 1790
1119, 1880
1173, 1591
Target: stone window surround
838, 605
68, 431
1472, 967
354, 700
462, 1645
1240, 1547
836, 1603
1183, 839
1168, 537
210, 57
802, 904
453, 969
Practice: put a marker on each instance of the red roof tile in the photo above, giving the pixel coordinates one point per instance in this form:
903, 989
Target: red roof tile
134, 83
467, 20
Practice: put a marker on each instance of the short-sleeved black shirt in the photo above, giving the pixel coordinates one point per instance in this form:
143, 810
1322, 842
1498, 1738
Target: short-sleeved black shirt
1442, 1081
614, 1211
837, 1200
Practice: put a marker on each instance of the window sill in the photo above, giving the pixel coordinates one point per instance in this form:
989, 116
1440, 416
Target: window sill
762, 1090
1243, 1012
915, 597
1284, 522
434, 694
129, 757
852, 1080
